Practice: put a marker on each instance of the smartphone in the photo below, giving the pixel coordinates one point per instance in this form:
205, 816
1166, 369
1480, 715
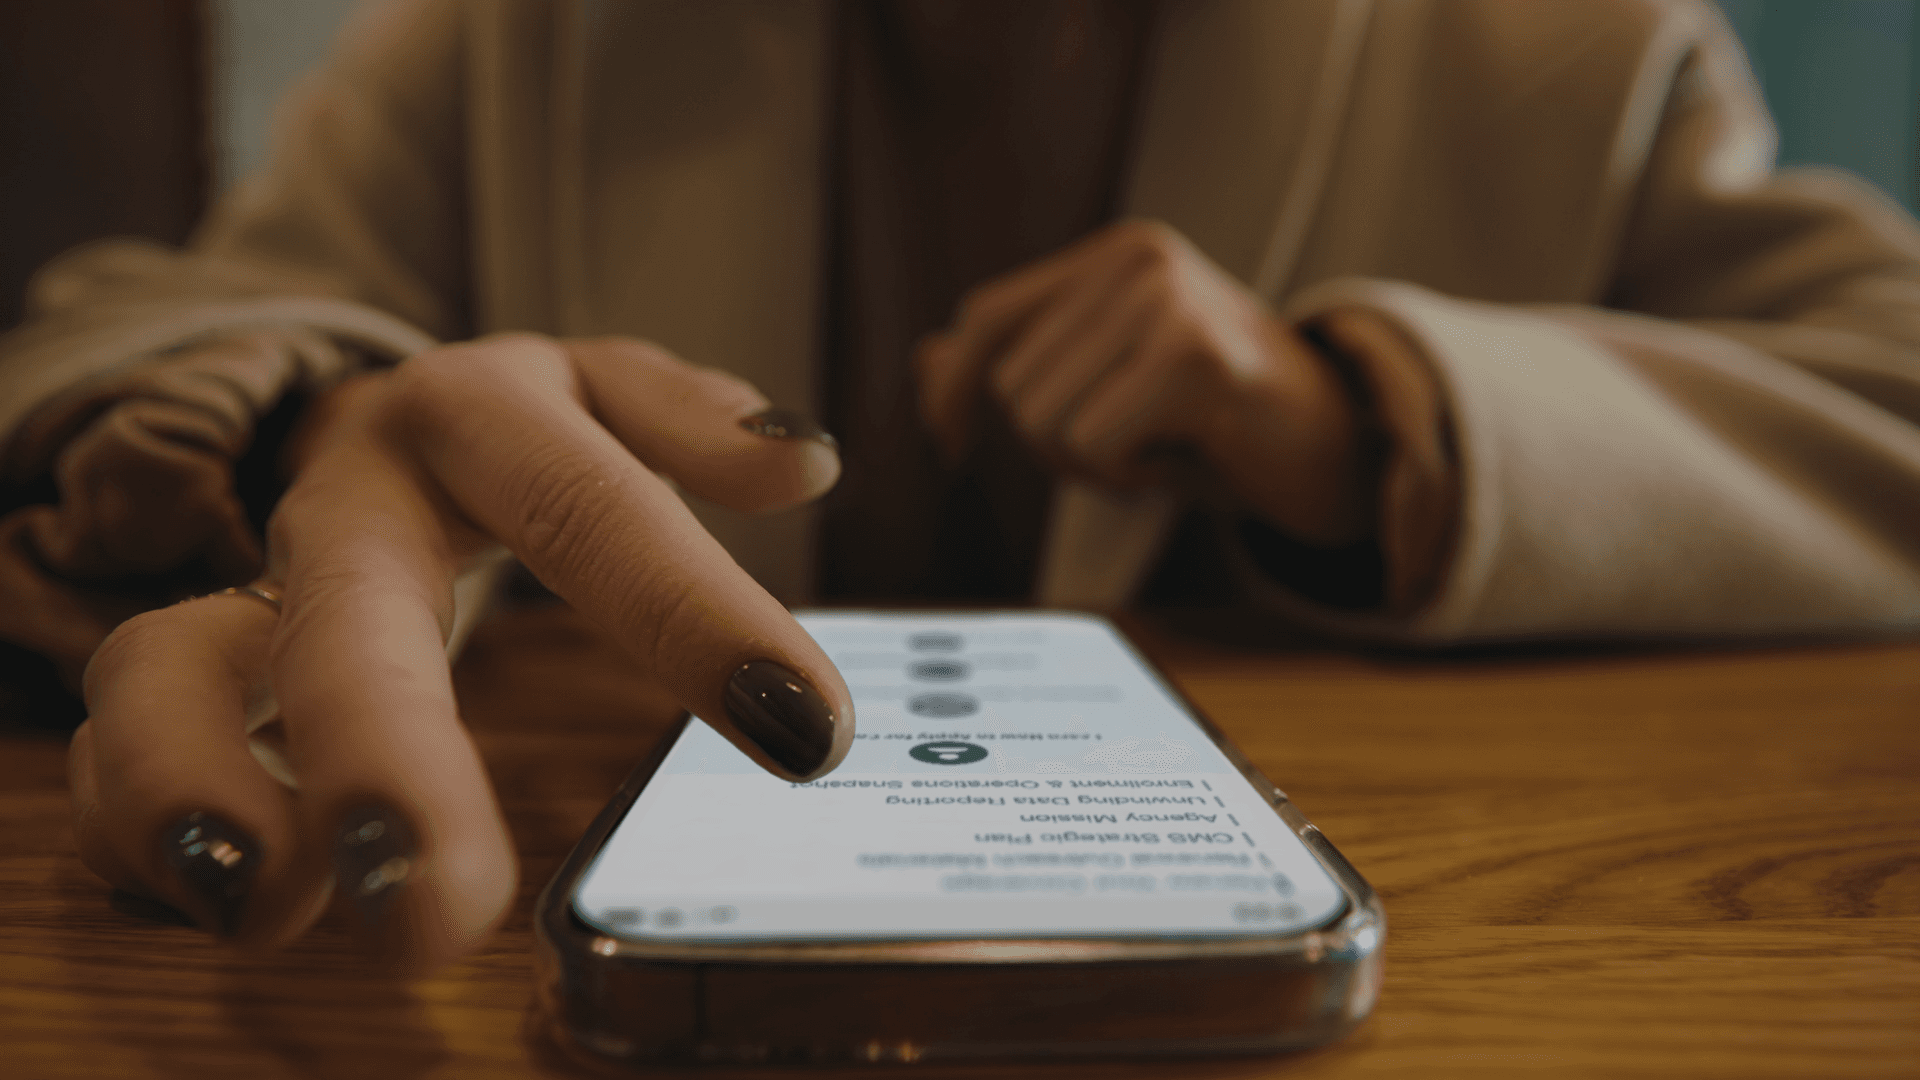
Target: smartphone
1036, 848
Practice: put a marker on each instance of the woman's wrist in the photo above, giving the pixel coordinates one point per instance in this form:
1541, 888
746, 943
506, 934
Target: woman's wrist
1296, 442
1341, 444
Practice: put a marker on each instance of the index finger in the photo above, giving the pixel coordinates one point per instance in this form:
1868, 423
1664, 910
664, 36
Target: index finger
502, 426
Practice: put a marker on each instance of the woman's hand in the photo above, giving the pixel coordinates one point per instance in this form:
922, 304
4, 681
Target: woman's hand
1132, 340
559, 451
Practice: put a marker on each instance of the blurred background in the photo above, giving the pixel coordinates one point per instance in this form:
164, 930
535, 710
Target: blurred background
124, 117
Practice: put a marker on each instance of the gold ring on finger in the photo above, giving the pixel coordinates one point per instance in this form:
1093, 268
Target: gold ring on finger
257, 591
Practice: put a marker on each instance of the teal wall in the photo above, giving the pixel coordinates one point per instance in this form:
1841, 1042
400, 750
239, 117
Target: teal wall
1843, 80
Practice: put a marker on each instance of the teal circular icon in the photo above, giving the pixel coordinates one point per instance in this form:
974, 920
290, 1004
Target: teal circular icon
948, 753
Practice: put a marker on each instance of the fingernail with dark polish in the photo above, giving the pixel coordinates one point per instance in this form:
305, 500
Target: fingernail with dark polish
216, 862
786, 424
373, 855
782, 714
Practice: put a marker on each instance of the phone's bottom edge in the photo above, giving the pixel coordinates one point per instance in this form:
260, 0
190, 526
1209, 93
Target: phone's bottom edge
862, 1018
612, 1053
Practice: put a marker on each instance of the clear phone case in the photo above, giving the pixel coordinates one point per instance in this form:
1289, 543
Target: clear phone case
619, 1001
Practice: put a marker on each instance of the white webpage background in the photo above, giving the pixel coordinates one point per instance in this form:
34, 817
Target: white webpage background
1086, 802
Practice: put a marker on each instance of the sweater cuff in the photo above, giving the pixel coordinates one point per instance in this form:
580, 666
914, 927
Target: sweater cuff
1393, 387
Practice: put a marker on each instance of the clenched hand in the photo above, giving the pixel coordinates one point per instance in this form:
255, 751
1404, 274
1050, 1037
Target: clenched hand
1131, 341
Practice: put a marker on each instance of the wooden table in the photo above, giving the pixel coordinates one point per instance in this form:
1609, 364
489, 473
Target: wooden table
1594, 864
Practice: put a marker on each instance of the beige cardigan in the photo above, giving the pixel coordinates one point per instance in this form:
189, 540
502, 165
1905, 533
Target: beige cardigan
1506, 179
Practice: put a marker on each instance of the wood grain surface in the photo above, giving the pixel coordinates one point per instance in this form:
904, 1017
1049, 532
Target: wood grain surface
1606, 864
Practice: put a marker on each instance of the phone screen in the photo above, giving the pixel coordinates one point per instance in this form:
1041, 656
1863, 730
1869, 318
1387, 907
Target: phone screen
1013, 775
